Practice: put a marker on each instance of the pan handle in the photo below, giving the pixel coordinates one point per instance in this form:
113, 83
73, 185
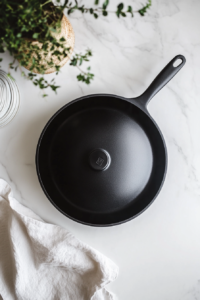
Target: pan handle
161, 80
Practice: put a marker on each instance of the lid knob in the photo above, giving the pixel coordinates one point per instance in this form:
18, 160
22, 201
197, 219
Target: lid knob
99, 159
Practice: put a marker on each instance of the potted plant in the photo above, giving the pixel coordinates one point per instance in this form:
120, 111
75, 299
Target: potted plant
40, 38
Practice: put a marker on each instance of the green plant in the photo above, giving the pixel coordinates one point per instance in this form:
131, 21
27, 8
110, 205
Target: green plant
24, 21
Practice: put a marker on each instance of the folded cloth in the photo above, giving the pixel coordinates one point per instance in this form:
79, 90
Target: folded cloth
40, 261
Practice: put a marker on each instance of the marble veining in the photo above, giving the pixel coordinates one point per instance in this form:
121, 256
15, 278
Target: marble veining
159, 252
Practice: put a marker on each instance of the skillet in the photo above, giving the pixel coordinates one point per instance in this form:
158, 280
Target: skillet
101, 159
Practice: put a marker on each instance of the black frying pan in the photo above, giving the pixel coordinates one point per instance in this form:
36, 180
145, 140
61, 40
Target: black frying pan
101, 159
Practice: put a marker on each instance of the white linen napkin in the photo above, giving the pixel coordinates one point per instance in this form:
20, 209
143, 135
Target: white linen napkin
40, 261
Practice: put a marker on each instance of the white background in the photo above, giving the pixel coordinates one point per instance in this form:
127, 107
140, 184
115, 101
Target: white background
158, 253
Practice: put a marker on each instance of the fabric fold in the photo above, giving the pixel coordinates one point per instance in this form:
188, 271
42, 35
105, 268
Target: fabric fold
40, 261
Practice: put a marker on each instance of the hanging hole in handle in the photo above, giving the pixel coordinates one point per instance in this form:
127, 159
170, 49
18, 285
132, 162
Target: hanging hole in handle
177, 62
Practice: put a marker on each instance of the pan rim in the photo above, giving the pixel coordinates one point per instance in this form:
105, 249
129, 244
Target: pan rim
133, 102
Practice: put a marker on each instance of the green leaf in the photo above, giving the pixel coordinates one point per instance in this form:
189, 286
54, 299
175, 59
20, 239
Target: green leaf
120, 6
19, 35
91, 10
35, 35
62, 39
105, 4
71, 10
56, 53
143, 10
53, 30
80, 77
96, 2
65, 3
130, 10
45, 46
95, 15
123, 14
74, 62
57, 68
118, 13
104, 13
54, 87
9, 7
44, 95
10, 76
89, 52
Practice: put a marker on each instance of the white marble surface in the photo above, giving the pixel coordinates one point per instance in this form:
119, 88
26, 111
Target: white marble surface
158, 252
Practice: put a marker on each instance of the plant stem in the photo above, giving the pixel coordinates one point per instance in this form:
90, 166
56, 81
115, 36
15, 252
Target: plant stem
79, 68
45, 3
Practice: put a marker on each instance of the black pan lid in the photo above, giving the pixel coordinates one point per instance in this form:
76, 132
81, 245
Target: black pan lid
97, 158
100, 159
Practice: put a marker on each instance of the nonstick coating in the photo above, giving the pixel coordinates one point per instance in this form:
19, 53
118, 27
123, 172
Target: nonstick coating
101, 159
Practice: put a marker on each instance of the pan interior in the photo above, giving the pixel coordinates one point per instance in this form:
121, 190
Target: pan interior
118, 131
